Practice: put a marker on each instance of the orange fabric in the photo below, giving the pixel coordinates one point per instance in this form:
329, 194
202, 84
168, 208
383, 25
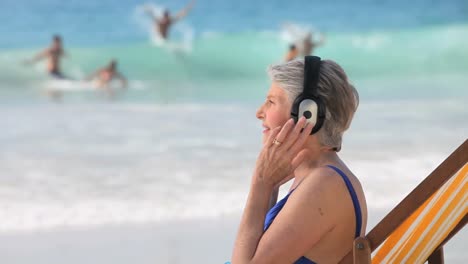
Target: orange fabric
411, 242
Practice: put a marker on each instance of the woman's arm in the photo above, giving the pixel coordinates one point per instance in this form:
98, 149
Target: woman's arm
275, 164
251, 226
311, 212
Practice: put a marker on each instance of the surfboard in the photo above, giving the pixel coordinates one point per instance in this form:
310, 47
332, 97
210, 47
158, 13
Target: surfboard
68, 85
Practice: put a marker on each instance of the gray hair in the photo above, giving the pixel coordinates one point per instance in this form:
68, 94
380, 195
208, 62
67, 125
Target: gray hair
339, 96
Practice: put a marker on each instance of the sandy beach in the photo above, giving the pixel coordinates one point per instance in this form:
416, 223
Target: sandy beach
195, 241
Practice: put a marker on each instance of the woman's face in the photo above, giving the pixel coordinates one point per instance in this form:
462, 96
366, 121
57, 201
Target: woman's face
275, 111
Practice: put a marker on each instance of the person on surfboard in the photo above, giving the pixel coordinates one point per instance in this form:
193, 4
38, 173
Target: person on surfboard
164, 23
105, 75
53, 54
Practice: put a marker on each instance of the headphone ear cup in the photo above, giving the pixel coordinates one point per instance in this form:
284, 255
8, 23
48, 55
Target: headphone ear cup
308, 108
295, 115
321, 111
313, 109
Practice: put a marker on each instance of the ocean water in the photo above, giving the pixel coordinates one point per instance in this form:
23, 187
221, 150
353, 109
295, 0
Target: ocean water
180, 144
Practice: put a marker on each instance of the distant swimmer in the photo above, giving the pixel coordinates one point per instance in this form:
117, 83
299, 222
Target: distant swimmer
53, 54
292, 53
162, 25
106, 75
308, 45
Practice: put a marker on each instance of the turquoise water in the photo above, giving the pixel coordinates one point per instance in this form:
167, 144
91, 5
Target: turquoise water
232, 66
391, 49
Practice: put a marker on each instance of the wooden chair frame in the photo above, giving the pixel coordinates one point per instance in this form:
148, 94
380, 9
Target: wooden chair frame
364, 246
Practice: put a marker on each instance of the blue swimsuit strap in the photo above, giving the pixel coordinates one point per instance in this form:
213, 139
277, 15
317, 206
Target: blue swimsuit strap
357, 207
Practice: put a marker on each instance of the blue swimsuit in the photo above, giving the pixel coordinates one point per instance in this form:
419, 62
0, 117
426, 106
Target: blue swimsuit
273, 212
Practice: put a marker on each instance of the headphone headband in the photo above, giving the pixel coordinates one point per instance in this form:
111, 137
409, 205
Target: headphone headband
311, 75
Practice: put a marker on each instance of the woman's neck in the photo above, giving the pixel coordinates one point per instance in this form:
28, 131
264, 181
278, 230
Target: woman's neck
317, 157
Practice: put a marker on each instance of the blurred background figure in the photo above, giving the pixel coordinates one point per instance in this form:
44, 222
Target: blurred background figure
163, 24
309, 44
304, 37
53, 54
104, 77
292, 53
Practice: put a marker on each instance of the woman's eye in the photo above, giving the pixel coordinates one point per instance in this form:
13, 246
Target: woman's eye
271, 102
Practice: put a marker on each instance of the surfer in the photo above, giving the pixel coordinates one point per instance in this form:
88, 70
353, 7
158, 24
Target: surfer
105, 75
53, 54
292, 53
163, 24
308, 45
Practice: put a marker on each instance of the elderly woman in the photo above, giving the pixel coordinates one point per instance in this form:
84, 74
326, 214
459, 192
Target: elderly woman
325, 209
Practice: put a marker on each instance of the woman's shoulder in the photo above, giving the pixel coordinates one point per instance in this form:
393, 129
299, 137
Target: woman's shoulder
327, 185
323, 177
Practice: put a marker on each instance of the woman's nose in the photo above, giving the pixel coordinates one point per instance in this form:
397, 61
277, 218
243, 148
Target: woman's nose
259, 114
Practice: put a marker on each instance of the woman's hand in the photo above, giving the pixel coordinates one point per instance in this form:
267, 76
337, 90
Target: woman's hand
282, 153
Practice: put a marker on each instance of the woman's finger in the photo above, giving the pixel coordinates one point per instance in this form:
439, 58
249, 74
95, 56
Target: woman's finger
273, 133
281, 137
301, 139
292, 137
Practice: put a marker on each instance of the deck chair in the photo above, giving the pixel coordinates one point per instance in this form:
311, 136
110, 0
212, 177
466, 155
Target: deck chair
416, 230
